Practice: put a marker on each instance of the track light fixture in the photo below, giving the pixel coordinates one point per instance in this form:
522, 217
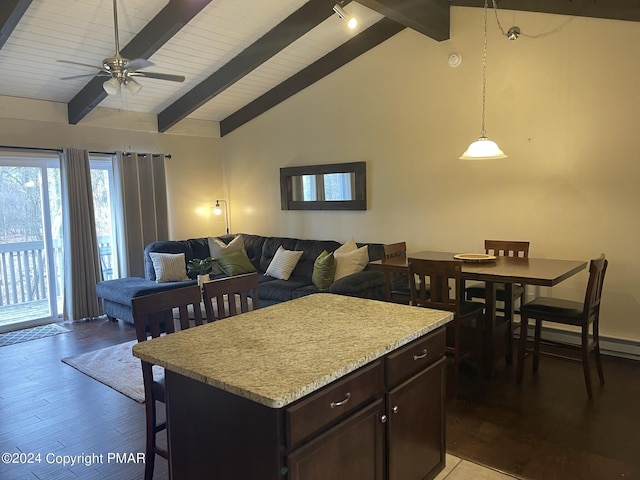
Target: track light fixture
352, 22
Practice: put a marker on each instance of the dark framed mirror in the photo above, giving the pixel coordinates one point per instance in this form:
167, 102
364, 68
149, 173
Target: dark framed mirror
336, 186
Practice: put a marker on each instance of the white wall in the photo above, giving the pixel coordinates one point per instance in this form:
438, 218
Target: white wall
194, 173
564, 106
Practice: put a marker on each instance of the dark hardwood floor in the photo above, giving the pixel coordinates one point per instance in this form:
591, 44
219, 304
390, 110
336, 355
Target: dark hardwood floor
544, 429
547, 428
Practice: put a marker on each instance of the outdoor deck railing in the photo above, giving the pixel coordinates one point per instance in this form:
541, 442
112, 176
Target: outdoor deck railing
23, 270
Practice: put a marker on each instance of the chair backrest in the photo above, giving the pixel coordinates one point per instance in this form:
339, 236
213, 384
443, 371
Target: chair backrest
394, 250
154, 314
506, 248
436, 275
597, 269
230, 296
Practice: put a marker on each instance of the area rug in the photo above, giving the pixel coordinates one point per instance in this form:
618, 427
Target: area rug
115, 367
33, 333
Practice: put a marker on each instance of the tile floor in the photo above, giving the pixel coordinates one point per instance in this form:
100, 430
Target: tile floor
458, 469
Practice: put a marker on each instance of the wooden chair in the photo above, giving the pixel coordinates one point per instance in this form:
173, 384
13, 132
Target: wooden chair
506, 249
226, 297
430, 287
153, 315
579, 314
398, 283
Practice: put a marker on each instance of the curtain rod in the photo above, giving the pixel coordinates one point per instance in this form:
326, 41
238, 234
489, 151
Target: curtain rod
59, 150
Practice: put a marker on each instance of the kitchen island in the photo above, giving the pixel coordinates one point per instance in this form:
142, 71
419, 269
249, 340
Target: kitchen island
321, 387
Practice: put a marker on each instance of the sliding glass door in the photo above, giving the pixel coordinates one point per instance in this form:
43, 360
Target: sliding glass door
31, 282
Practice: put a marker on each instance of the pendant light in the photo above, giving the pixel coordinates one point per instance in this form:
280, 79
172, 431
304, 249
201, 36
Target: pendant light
483, 148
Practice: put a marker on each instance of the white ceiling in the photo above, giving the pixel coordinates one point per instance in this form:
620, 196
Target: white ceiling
82, 31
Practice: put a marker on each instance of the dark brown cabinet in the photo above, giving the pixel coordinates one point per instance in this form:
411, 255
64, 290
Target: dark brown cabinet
416, 429
352, 449
383, 421
400, 436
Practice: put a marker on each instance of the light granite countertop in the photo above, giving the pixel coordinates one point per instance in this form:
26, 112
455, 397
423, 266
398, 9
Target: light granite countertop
278, 354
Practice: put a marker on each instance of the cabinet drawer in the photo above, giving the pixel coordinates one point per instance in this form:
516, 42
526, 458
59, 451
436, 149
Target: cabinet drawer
415, 356
333, 402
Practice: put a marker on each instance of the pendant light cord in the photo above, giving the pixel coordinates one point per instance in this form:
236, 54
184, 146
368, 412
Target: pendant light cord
484, 69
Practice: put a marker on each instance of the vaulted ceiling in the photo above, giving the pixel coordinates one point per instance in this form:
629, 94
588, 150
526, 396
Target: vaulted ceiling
239, 57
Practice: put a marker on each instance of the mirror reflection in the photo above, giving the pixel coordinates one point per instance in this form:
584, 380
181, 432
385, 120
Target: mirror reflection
330, 187
336, 186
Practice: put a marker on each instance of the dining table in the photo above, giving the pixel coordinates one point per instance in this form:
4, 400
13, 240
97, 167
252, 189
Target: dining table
545, 272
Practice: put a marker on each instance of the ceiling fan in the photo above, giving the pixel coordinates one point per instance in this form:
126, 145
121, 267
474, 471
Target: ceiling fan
122, 70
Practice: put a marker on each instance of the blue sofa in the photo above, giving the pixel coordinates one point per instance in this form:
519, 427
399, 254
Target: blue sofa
117, 294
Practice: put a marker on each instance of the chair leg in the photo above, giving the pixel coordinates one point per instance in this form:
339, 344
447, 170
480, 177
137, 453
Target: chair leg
456, 361
150, 455
536, 345
596, 351
585, 360
509, 308
522, 347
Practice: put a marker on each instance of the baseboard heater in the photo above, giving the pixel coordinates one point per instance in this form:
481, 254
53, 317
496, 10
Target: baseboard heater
616, 347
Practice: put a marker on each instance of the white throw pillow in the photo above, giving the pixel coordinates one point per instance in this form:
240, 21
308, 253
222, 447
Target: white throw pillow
347, 247
217, 248
350, 262
283, 263
169, 267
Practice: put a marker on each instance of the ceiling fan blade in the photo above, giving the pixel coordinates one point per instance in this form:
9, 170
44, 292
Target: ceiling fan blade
99, 74
137, 64
159, 76
78, 63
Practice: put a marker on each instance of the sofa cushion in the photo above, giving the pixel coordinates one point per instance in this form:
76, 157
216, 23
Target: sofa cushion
351, 262
311, 249
122, 290
324, 270
281, 290
270, 247
169, 267
283, 263
235, 263
192, 248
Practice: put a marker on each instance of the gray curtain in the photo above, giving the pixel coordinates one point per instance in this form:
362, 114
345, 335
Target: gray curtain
81, 260
142, 218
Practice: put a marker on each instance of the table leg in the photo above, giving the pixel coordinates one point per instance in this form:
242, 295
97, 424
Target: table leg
489, 323
387, 281
509, 311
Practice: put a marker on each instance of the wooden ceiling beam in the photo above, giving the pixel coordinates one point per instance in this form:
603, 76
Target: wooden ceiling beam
278, 38
612, 9
429, 17
322, 67
175, 15
11, 11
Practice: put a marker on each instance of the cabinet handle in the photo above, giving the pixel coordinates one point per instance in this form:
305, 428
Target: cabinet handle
383, 419
395, 409
341, 402
420, 355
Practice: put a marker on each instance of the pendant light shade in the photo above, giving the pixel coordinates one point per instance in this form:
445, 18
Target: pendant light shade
483, 148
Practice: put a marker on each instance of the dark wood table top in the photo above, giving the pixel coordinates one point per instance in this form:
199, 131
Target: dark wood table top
532, 271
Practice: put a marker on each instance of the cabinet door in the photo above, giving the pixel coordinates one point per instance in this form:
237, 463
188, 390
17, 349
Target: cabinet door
416, 426
353, 449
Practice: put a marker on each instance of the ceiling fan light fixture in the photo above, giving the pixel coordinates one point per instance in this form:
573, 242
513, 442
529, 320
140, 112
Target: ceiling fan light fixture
132, 86
352, 22
112, 86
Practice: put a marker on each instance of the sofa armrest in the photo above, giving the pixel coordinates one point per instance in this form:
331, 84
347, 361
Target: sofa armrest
356, 283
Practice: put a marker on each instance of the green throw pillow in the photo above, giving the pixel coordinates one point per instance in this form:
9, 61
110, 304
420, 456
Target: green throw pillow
235, 263
324, 268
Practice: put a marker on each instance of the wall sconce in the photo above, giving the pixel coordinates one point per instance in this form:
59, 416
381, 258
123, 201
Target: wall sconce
217, 209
